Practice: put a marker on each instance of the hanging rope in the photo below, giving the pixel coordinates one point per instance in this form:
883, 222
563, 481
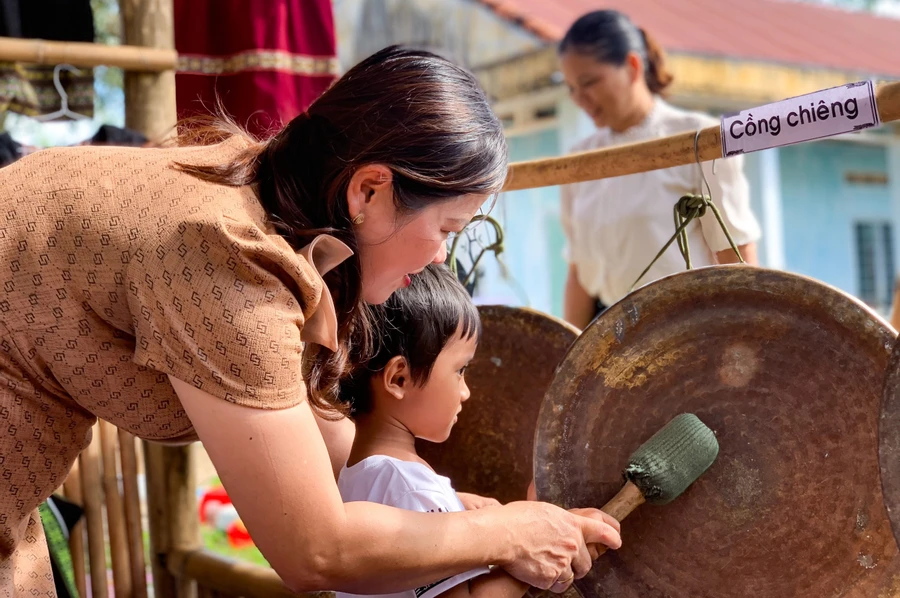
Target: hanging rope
496, 246
687, 208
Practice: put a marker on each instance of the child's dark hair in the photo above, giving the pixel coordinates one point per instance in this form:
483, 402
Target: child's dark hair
416, 323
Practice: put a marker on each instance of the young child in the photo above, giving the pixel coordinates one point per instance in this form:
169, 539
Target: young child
414, 387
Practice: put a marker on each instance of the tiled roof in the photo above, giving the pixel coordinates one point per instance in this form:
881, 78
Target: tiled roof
779, 31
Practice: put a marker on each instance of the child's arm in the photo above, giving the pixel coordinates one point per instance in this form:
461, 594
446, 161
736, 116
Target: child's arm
497, 584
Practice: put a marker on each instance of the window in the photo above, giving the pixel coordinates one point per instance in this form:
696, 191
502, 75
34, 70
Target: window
875, 263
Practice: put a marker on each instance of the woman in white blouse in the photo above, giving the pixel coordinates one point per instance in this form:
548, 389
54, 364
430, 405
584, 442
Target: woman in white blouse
614, 227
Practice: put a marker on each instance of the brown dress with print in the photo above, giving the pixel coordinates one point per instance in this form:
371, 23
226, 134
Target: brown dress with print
117, 270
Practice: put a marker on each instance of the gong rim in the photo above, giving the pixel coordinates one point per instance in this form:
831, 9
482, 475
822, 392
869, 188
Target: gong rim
889, 440
607, 371
489, 451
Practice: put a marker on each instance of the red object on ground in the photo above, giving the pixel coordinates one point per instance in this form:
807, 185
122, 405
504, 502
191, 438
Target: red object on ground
238, 536
264, 60
213, 495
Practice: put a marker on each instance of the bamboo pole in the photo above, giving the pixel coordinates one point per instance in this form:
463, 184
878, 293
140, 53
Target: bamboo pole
676, 150
87, 55
133, 526
150, 109
174, 525
92, 490
72, 486
115, 513
154, 461
150, 97
230, 577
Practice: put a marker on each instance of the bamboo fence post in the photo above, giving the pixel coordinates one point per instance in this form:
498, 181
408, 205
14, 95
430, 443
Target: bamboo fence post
115, 513
133, 525
158, 516
150, 109
72, 487
92, 491
150, 97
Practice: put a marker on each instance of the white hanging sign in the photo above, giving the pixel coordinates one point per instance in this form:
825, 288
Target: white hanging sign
815, 115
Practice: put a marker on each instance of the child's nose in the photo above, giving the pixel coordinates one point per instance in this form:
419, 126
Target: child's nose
464, 396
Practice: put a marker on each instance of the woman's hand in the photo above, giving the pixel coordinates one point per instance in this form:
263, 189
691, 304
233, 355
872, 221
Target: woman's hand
552, 544
594, 549
473, 501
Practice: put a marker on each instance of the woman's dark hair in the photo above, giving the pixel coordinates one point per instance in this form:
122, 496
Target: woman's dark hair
420, 115
609, 36
416, 323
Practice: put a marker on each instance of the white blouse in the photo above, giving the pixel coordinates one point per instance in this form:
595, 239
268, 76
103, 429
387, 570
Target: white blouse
614, 227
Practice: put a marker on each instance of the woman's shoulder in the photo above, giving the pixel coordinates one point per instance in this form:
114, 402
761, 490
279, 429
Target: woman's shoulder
674, 119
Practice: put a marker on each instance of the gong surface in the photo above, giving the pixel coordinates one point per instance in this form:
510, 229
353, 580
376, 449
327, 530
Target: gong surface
788, 373
489, 451
889, 448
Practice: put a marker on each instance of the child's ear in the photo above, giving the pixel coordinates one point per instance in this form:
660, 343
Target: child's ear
395, 377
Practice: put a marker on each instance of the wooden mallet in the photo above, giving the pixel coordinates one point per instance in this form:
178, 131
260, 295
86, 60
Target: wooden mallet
664, 466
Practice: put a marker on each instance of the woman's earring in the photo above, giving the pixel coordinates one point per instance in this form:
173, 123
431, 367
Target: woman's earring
359, 219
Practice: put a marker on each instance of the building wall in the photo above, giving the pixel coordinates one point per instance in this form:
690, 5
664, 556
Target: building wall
465, 31
533, 270
822, 207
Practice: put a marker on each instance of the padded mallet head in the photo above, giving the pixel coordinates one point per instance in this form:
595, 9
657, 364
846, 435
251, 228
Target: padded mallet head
664, 466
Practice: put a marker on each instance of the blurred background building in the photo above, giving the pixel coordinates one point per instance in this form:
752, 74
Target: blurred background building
829, 209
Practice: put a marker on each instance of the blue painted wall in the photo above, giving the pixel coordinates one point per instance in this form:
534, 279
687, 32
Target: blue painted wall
535, 270
821, 208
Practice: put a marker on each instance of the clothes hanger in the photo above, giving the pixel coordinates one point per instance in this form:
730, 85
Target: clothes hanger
64, 98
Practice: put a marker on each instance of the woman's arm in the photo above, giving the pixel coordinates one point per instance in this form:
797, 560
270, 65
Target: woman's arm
748, 252
579, 308
338, 436
277, 472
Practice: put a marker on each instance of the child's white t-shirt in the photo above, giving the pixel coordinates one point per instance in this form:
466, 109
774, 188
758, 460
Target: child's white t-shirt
406, 485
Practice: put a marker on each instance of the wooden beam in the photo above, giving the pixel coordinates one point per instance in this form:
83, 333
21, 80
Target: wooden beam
655, 154
233, 577
87, 55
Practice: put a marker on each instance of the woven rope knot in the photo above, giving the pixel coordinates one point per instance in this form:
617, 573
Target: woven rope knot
692, 206
686, 209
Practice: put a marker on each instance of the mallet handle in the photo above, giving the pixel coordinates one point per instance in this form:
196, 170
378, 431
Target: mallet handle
621, 505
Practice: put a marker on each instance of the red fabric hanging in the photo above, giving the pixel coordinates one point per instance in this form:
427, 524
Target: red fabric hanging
264, 60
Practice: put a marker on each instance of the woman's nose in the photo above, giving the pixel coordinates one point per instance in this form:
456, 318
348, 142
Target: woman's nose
441, 256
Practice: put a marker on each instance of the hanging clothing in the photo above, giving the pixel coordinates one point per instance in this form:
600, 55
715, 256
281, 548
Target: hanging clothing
265, 62
10, 149
28, 88
113, 135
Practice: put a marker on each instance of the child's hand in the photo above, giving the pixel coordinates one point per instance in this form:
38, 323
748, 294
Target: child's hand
473, 501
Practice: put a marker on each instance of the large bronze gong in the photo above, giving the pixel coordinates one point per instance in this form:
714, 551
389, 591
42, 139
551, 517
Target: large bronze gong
489, 451
889, 450
788, 373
